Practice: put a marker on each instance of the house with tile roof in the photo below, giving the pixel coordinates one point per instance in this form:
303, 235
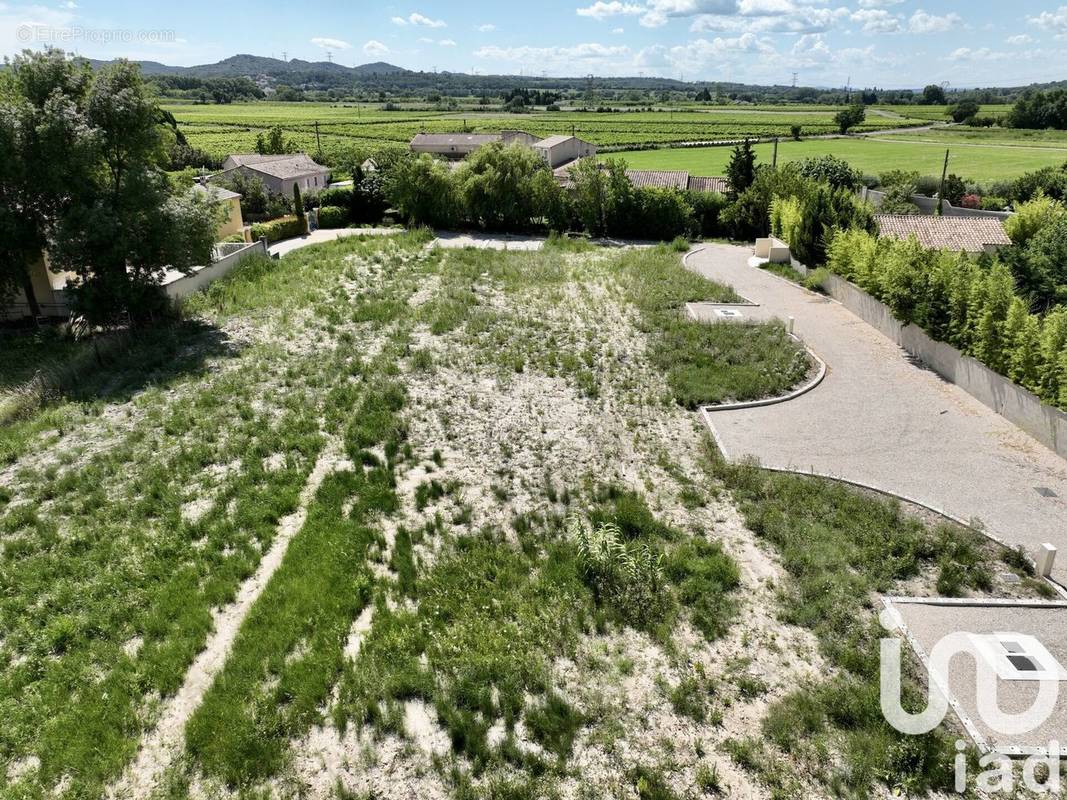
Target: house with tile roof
279, 173
967, 234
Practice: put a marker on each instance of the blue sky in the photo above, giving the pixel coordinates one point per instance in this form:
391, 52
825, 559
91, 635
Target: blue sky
888, 43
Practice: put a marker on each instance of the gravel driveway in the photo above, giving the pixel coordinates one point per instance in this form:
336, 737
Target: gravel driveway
881, 420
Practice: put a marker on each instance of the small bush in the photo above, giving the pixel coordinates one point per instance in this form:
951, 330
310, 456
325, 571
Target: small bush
277, 229
332, 217
626, 577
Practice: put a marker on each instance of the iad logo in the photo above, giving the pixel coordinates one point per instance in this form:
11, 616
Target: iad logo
998, 659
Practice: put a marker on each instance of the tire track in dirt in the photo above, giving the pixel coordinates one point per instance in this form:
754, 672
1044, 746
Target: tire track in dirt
163, 744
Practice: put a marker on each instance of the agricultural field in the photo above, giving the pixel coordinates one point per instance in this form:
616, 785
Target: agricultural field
220, 130
384, 520
870, 155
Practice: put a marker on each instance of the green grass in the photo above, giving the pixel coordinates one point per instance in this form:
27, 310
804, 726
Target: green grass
704, 363
839, 547
872, 156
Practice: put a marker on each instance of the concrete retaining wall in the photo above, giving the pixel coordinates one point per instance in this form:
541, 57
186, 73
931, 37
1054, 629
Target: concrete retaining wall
928, 205
1046, 424
186, 285
774, 250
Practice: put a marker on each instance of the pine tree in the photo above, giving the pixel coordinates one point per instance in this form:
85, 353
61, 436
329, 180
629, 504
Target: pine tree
741, 171
298, 205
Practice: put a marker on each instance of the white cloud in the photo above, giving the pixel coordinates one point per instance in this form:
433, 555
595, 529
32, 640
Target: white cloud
415, 18
811, 49
330, 44
799, 20
876, 20
601, 10
979, 54
659, 11
375, 48
1020, 39
618, 31
487, 27
878, 3
921, 22
591, 54
1055, 21
447, 43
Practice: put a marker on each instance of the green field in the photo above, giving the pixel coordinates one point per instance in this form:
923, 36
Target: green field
985, 163
220, 130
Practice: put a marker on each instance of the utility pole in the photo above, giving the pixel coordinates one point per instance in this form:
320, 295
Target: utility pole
774, 161
941, 189
285, 56
318, 141
795, 80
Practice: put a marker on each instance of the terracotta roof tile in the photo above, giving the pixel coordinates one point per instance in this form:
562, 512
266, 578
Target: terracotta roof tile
969, 234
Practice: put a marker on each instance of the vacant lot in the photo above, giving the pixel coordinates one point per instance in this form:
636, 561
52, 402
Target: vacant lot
382, 520
874, 156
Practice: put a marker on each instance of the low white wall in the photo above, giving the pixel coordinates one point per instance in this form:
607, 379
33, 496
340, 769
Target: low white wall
202, 276
1023, 408
928, 205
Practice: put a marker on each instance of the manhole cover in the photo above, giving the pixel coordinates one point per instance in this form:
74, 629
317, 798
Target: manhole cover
1044, 491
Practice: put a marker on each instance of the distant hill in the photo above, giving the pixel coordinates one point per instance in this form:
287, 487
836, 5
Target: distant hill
244, 64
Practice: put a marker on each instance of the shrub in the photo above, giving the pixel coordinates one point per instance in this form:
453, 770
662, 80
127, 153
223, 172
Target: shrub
795, 131
897, 200
849, 118
332, 217
495, 186
785, 218
1031, 217
1049, 181
953, 190
971, 201
830, 169
627, 577
993, 203
661, 214
707, 210
422, 190
276, 229
339, 196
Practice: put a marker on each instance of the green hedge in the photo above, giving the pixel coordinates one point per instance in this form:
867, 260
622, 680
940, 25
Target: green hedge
281, 228
974, 308
332, 217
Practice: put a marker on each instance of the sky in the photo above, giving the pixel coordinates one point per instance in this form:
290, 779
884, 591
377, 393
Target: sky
862, 43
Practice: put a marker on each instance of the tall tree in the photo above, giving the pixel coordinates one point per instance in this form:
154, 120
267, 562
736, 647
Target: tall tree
934, 95
102, 203
41, 133
741, 171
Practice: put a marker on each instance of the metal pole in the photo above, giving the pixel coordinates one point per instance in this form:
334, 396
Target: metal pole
941, 188
774, 161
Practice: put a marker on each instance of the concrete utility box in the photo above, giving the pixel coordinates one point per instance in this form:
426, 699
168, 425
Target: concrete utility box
1045, 558
774, 250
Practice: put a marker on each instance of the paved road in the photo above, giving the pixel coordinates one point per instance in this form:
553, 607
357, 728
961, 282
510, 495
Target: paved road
881, 420
326, 235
